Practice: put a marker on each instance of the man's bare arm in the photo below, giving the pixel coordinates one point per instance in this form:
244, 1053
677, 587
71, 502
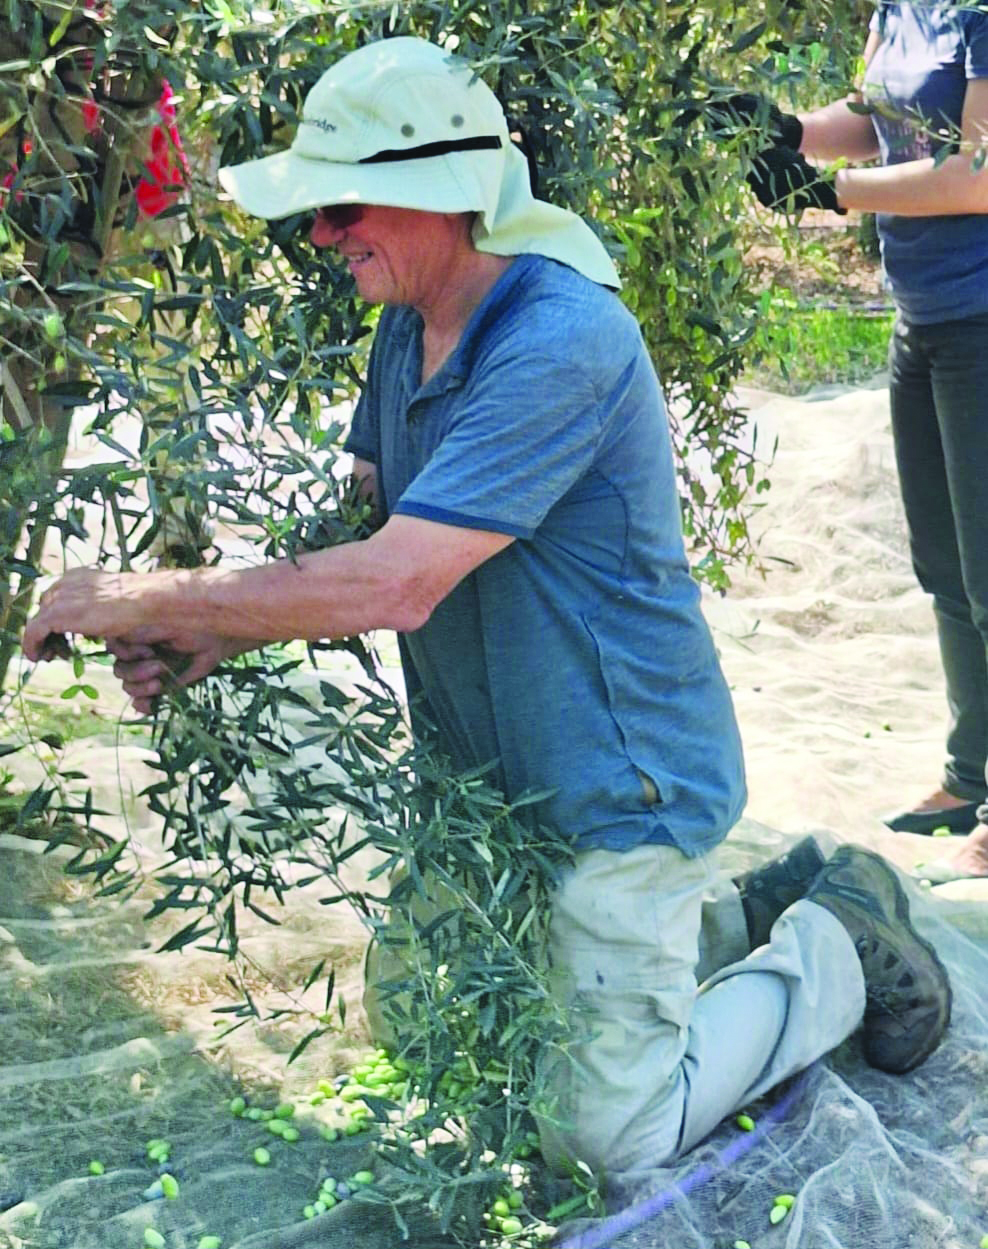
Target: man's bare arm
392, 580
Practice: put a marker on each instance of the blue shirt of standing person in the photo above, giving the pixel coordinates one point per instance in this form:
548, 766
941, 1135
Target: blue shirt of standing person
917, 83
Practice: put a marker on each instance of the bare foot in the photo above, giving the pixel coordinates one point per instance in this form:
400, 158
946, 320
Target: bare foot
941, 801
972, 854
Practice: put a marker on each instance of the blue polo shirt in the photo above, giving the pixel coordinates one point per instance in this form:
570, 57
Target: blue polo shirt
937, 267
576, 660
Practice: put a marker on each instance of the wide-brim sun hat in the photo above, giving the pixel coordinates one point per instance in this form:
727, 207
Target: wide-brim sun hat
402, 123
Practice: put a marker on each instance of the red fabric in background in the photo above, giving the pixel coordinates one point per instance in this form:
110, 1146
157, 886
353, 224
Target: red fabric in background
166, 165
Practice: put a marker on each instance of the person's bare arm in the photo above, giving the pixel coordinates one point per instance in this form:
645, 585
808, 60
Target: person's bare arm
836, 130
921, 188
392, 580
155, 658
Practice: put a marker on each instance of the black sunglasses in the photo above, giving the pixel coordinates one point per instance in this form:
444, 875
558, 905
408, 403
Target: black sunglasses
341, 216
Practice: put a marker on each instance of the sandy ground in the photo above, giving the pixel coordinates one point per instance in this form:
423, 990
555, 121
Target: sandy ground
830, 648
831, 656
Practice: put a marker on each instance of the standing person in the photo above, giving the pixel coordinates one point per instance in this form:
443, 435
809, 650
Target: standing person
926, 82
513, 434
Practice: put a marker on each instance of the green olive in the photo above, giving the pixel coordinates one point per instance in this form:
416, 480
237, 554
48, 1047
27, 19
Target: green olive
54, 326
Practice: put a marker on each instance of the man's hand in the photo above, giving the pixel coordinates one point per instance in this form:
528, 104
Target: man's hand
152, 656
94, 604
153, 660
748, 111
784, 180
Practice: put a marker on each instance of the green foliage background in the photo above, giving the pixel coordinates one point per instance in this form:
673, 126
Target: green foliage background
233, 340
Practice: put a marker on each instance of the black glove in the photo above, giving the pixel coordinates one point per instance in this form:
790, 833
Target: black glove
784, 180
747, 110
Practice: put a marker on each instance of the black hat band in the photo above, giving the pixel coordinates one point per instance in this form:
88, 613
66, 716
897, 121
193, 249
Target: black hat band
441, 148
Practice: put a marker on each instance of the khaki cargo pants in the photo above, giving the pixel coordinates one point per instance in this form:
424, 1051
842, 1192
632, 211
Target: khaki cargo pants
660, 1062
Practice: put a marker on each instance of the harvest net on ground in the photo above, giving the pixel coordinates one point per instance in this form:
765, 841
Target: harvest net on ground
110, 1045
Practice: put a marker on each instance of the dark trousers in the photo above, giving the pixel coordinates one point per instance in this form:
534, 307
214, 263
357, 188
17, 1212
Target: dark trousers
939, 400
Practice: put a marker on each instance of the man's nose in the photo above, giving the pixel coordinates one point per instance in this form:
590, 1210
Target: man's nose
323, 233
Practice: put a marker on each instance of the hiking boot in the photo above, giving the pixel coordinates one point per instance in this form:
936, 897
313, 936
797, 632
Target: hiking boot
908, 996
768, 890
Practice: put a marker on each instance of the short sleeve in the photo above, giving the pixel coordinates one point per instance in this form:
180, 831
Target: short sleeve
527, 429
976, 45
362, 439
